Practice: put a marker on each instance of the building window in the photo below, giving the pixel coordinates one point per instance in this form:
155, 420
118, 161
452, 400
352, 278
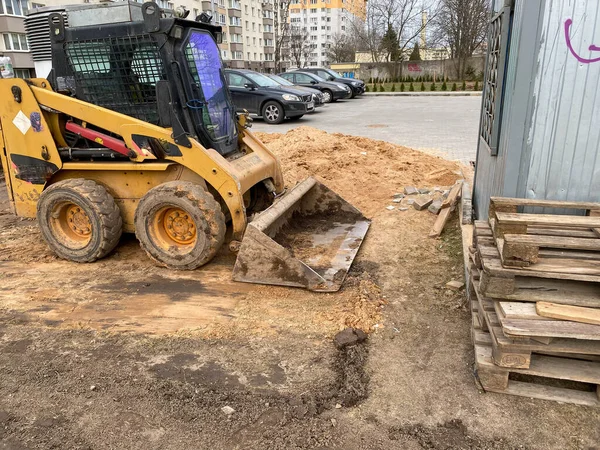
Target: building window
235, 21
253, 41
224, 54
255, 56
14, 7
323, 27
313, 10
247, 26
37, 5
22, 73
252, 11
313, 63
15, 42
248, 56
253, 26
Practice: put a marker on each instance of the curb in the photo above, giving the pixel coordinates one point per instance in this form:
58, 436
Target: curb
424, 94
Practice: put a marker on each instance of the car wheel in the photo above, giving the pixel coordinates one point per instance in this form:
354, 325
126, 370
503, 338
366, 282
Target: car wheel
273, 113
327, 96
353, 94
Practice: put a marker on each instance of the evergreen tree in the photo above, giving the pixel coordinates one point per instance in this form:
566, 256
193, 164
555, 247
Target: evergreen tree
476, 88
433, 86
393, 88
401, 87
416, 53
453, 86
381, 89
411, 88
444, 86
422, 86
464, 86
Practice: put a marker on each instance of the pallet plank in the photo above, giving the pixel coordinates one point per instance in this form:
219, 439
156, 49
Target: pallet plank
571, 313
553, 328
508, 219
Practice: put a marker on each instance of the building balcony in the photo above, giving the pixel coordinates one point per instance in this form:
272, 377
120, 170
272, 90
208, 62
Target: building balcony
231, 12
267, 21
236, 46
207, 6
233, 29
267, 6
236, 64
269, 64
269, 35
269, 49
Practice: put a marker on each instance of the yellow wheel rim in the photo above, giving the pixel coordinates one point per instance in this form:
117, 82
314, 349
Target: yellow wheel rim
71, 225
174, 227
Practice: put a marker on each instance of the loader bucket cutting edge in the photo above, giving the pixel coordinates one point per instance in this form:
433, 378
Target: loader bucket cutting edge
308, 238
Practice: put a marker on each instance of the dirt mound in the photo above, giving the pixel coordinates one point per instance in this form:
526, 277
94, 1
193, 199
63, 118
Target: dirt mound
364, 171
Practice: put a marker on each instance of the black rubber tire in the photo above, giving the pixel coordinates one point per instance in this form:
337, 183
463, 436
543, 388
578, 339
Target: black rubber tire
203, 209
353, 94
101, 209
280, 116
327, 91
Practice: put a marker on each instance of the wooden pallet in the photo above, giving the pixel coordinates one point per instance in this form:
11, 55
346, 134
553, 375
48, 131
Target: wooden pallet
511, 205
516, 351
546, 368
501, 280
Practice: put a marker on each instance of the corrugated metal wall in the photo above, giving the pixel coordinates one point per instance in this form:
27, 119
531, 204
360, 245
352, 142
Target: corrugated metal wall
562, 159
550, 136
497, 175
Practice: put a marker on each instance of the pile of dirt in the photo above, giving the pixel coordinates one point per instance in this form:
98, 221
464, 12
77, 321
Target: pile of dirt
364, 171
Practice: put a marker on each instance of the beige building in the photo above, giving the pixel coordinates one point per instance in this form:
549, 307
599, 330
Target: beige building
248, 30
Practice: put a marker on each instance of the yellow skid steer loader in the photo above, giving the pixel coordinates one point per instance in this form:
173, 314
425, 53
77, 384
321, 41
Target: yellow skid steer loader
134, 131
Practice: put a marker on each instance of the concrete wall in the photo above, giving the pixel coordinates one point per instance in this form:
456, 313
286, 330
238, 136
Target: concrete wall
439, 69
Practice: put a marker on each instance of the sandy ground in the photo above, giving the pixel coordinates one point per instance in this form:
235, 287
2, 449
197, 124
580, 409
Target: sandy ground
124, 354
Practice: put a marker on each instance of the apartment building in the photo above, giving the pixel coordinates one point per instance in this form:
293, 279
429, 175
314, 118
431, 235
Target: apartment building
248, 30
324, 20
14, 42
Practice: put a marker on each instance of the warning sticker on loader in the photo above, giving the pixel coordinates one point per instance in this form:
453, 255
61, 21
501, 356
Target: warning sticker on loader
22, 122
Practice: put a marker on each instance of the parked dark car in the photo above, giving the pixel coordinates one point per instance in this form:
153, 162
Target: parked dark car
357, 86
318, 97
332, 91
263, 97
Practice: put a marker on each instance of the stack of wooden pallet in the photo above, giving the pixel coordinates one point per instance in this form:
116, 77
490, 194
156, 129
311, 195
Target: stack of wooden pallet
535, 299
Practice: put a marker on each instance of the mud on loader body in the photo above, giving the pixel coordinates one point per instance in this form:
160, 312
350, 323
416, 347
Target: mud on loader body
135, 131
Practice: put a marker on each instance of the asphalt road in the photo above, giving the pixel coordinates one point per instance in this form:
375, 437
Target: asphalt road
446, 126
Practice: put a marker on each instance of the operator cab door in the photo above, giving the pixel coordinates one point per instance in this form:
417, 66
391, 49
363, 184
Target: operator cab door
244, 92
305, 80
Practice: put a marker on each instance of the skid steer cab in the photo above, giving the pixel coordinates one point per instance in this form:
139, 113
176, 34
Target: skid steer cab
135, 131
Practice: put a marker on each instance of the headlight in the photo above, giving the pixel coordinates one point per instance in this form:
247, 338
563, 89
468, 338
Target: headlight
355, 83
290, 97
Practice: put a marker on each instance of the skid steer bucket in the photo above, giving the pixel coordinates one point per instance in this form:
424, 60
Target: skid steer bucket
308, 238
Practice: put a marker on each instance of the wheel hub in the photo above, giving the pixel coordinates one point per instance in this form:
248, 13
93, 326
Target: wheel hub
179, 226
78, 221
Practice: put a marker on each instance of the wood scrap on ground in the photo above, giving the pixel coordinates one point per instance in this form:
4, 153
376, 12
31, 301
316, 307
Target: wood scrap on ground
447, 207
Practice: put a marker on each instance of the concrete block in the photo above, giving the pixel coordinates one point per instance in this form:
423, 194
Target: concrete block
435, 207
410, 190
422, 202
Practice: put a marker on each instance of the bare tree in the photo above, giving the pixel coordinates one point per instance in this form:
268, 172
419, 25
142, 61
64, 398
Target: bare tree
298, 46
342, 48
461, 25
282, 31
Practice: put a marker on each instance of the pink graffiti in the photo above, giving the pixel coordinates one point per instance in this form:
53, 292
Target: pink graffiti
592, 48
414, 68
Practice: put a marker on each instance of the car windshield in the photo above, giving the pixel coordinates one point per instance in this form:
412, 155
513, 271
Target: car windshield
281, 80
210, 100
333, 73
262, 80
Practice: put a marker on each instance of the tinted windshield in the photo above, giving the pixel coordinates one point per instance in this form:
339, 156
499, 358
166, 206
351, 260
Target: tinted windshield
333, 73
210, 101
261, 80
281, 80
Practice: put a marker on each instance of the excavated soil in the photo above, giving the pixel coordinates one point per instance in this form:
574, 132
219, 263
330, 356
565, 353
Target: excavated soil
124, 354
